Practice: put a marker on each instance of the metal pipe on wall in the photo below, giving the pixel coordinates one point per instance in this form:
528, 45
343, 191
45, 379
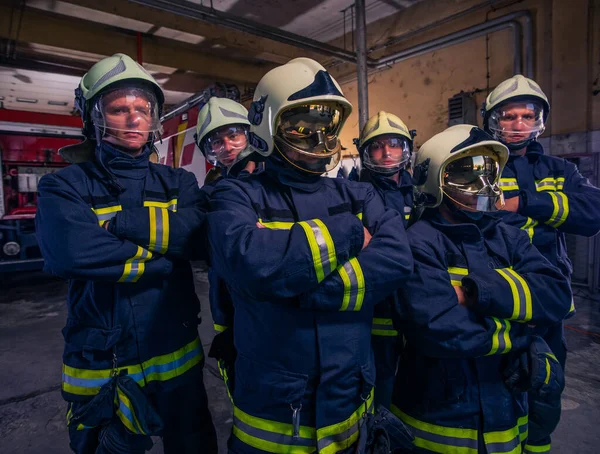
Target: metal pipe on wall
361, 63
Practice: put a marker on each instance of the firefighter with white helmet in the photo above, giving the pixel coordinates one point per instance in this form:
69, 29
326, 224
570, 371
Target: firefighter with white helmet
385, 147
122, 230
477, 287
305, 259
547, 197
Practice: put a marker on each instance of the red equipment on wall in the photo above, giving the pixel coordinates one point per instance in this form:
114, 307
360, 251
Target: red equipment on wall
29, 144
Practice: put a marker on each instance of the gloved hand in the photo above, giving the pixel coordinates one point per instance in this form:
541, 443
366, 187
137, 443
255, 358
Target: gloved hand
384, 433
223, 348
536, 371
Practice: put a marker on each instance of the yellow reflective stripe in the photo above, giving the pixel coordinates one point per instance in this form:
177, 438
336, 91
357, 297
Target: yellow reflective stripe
141, 373
456, 274
219, 328
531, 448
506, 441
314, 249
354, 285
440, 439
223, 372
551, 355
360, 216
171, 205
508, 184
383, 327
134, 267
330, 247
550, 184
277, 225
547, 380
272, 436
501, 342
106, 213
165, 230
522, 305
561, 209
530, 228
342, 435
360, 296
126, 414
152, 222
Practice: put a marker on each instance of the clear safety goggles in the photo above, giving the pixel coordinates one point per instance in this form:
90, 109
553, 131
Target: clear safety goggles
517, 121
386, 154
224, 144
127, 110
472, 182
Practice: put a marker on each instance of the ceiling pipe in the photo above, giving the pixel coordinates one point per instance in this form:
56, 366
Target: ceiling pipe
213, 16
192, 10
361, 67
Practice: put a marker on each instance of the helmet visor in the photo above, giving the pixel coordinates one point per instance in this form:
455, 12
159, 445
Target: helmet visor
223, 145
472, 182
312, 128
127, 115
388, 153
517, 122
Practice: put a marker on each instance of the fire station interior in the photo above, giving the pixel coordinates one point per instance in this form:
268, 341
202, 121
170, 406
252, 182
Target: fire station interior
431, 62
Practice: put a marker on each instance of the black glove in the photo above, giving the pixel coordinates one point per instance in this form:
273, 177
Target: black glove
384, 433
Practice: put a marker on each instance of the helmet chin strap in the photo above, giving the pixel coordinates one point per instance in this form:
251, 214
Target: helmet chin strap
283, 155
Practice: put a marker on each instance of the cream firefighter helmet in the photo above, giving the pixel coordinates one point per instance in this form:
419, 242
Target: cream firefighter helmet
222, 131
299, 110
118, 71
464, 164
385, 143
515, 112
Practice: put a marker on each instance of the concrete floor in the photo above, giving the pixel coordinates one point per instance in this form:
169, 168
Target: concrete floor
32, 412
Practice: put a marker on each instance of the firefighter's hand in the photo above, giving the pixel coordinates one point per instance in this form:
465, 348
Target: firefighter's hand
460, 294
260, 226
367, 238
511, 204
250, 167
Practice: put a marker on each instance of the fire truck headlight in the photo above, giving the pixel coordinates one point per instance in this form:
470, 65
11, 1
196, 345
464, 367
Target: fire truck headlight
11, 248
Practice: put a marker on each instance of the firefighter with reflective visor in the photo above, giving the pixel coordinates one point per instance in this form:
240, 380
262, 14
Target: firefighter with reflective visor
305, 258
477, 287
122, 231
385, 148
547, 197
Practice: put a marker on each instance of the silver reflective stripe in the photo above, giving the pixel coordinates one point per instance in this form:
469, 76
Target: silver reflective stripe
561, 209
172, 207
507, 446
272, 437
159, 228
407, 209
353, 285
230, 114
323, 249
106, 216
378, 326
445, 440
495, 97
118, 69
342, 436
207, 121
456, 276
501, 340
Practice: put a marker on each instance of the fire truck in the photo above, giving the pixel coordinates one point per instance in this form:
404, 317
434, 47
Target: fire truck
29, 144
177, 147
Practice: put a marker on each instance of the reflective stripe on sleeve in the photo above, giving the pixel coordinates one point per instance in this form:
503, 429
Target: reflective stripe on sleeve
106, 213
522, 306
134, 267
501, 342
508, 184
383, 327
561, 209
354, 285
456, 274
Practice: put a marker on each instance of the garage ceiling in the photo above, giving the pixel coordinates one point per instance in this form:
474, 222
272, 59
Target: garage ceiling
47, 45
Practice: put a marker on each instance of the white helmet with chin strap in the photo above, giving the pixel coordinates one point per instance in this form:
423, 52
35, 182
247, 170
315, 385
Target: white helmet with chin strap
515, 112
464, 164
299, 110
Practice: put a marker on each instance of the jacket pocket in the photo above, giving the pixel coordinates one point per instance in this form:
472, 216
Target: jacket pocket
91, 342
269, 388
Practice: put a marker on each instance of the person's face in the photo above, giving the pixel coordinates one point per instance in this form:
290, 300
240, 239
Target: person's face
227, 143
519, 119
386, 150
128, 120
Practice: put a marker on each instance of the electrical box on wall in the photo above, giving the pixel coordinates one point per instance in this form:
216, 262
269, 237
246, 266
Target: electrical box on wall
462, 109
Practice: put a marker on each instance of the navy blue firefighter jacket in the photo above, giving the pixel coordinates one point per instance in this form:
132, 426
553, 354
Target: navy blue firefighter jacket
303, 293
450, 390
386, 341
132, 306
